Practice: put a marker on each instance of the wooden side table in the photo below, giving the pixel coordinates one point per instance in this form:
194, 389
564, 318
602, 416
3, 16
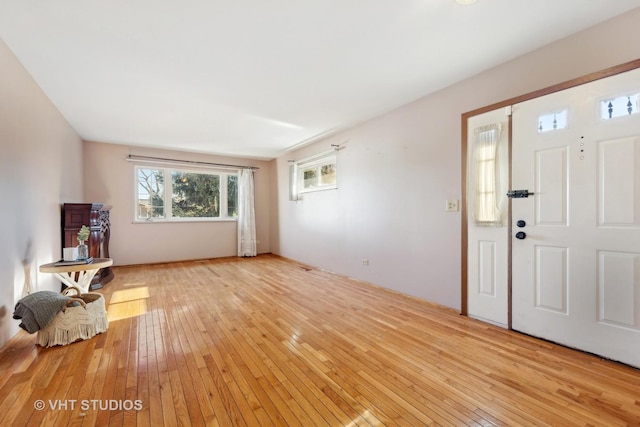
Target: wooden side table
84, 272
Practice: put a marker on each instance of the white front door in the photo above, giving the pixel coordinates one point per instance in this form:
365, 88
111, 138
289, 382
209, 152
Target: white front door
576, 265
487, 224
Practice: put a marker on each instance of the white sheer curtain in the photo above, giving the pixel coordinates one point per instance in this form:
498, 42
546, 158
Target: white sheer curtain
246, 215
485, 176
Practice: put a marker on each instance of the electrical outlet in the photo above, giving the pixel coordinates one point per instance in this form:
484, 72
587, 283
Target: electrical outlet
365, 262
452, 206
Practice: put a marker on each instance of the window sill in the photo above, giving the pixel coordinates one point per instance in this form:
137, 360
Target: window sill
315, 190
183, 220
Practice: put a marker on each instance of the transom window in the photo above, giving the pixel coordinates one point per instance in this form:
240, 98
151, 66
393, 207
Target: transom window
165, 194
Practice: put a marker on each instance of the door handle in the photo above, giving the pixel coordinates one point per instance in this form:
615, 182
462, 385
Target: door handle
521, 235
519, 194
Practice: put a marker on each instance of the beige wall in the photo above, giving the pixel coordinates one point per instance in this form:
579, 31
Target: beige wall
397, 171
109, 179
40, 166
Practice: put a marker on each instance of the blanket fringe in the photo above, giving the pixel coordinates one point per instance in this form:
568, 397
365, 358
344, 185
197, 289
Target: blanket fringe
76, 323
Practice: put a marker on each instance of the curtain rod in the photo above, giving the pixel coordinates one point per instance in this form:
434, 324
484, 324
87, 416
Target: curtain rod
149, 159
335, 147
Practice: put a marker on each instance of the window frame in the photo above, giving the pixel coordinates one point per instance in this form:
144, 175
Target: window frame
168, 194
317, 163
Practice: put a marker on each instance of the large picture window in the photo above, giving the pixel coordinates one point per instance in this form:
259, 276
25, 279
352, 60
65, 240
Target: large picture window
166, 194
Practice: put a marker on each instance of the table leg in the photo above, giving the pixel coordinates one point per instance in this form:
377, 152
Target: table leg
84, 279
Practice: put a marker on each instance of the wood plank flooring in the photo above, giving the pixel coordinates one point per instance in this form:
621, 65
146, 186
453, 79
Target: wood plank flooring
268, 342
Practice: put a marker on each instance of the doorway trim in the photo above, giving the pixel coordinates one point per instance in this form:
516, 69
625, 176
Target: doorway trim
627, 66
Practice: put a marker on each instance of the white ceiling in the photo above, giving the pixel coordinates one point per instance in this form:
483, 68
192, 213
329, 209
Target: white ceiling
253, 78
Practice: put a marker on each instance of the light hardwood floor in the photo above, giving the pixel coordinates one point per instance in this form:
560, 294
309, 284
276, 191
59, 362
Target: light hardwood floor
266, 341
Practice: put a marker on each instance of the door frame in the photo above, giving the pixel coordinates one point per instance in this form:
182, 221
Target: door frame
627, 66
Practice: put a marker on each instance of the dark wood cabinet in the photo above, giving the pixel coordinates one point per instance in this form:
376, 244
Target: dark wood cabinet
96, 217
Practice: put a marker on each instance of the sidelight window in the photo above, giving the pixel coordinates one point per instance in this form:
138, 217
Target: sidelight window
485, 176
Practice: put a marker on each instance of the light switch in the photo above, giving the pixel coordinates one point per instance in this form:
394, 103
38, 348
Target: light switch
452, 206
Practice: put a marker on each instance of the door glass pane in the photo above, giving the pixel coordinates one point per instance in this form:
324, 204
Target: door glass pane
485, 176
620, 106
552, 121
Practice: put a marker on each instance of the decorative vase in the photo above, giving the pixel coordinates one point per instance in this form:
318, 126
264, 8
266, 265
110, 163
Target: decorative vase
83, 250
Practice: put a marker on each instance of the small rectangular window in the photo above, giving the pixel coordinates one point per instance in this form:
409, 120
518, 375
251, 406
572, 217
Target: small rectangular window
552, 121
318, 173
314, 173
177, 194
621, 106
